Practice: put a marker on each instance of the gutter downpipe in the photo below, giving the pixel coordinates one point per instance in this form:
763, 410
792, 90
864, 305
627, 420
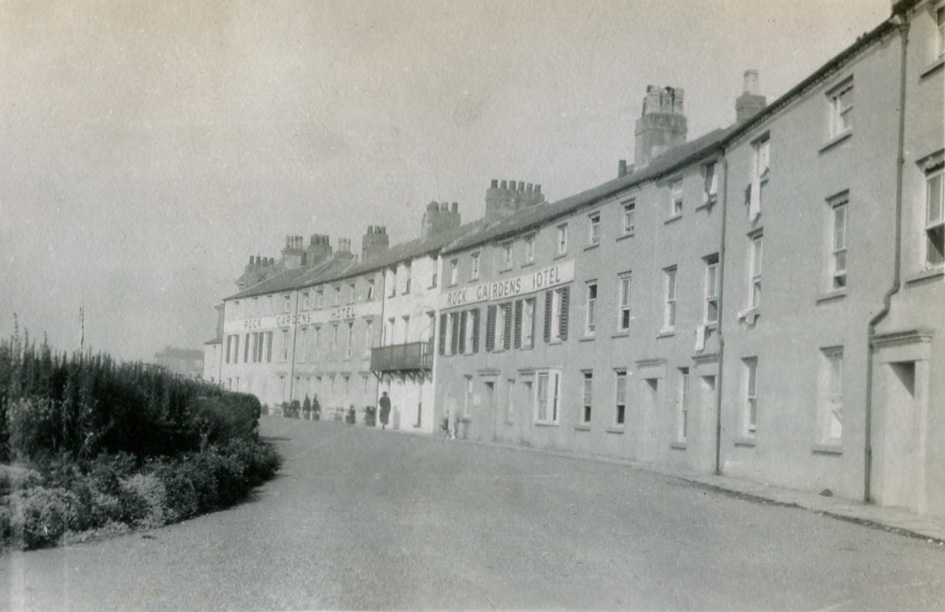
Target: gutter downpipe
903, 27
295, 332
718, 386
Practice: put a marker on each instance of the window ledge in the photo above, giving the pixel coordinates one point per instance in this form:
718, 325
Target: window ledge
528, 347
669, 333
925, 275
560, 256
827, 449
622, 334
587, 339
835, 141
582, 428
473, 279
555, 341
540, 424
935, 65
615, 430
830, 296
624, 237
677, 445
672, 219
746, 442
708, 204
591, 247
528, 264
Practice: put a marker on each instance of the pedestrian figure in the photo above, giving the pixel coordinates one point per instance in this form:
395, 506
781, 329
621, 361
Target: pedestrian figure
451, 414
385, 409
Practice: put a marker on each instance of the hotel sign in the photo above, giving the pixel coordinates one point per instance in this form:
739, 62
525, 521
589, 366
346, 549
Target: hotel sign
331, 315
549, 277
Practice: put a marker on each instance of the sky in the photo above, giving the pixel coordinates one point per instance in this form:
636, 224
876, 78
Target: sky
147, 149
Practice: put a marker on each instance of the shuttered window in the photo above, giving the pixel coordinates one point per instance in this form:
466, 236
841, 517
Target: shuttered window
490, 328
475, 330
548, 302
507, 332
454, 325
518, 324
442, 349
463, 317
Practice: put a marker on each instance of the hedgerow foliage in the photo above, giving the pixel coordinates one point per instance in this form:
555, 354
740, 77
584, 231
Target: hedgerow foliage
88, 444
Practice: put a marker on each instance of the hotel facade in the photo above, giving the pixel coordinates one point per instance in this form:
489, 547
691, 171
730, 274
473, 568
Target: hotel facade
765, 301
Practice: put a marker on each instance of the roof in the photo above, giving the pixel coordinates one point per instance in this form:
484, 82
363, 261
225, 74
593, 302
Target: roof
335, 269
533, 216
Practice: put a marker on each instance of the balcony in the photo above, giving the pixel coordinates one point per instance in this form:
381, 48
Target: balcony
410, 358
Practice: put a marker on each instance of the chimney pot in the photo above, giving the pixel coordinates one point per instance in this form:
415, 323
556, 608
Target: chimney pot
521, 185
444, 206
495, 183
537, 188
621, 168
455, 207
503, 186
751, 82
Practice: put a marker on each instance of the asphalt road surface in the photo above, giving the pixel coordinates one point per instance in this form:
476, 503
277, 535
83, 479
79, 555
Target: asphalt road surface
365, 519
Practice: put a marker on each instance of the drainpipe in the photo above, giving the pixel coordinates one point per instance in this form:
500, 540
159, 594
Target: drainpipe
718, 384
295, 330
903, 27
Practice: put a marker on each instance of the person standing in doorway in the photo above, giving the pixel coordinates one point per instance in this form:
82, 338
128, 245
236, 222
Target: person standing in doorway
384, 404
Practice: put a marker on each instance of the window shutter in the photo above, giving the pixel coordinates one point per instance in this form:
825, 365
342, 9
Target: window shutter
518, 324
442, 349
563, 332
507, 332
455, 340
548, 315
463, 320
475, 330
490, 328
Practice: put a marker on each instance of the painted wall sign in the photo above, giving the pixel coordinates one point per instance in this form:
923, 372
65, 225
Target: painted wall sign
338, 313
546, 278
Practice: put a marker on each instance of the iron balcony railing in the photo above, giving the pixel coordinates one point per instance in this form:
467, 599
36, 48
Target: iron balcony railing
402, 357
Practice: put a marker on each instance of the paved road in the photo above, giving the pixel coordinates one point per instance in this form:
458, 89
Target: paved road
379, 520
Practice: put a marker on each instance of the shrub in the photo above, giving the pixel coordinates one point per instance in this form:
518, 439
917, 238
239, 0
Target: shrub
41, 515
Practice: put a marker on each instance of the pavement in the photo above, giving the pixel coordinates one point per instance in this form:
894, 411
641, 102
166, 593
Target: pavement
895, 520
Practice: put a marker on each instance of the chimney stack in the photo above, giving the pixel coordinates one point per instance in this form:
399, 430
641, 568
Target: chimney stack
504, 198
751, 102
373, 242
662, 125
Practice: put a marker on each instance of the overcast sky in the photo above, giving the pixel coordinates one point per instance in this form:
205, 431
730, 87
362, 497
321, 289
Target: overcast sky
147, 149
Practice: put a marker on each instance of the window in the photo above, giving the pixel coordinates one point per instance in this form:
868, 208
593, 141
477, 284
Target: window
303, 337
629, 217
530, 248
285, 345
392, 282
320, 298
588, 396
286, 302
546, 396
474, 273
675, 198
349, 340
940, 32
623, 314
682, 405
315, 334
503, 327
934, 218
505, 256
337, 294
711, 289
710, 193
368, 337
370, 290
754, 289
669, 307
837, 265
454, 272
556, 314
407, 279
269, 347
334, 341
236, 307
526, 335
352, 293
472, 332
594, 230
563, 239
591, 308
761, 161
751, 397
621, 397
841, 108
831, 395
304, 301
